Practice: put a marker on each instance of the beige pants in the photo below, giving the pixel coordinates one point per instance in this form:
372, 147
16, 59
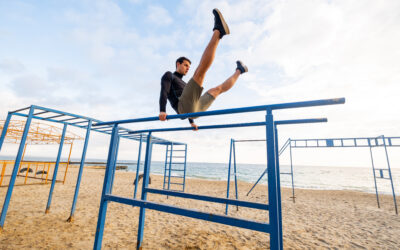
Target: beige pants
191, 99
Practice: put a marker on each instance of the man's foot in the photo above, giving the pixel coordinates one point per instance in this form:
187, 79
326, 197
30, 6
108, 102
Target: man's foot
241, 67
220, 24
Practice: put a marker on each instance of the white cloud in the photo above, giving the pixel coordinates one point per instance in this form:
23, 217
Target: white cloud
158, 15
10, 66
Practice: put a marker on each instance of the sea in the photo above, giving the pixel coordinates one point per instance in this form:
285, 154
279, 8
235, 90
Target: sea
304, 177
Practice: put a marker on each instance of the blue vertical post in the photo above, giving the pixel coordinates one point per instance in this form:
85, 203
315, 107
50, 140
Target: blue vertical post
165, 166
170, 166
78, 181
184, 169
229, 175
390, 175
235, 173
16, 167
146, 174
278, 184
4, 131
138, 167
373, 172
291, 171
116, 159
106, 188
53, 182
273, 200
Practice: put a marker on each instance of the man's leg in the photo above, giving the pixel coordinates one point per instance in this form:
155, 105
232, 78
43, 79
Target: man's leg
225, 86
206, 59
220, 29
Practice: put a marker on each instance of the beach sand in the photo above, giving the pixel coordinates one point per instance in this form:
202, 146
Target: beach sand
318, 219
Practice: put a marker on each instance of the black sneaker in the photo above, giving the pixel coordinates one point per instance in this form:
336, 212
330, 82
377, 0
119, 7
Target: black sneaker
241, 67
220, 24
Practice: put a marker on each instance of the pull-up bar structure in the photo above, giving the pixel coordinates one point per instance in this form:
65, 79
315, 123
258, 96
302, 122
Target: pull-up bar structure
273, 227
232, 156
65, 119
352, 142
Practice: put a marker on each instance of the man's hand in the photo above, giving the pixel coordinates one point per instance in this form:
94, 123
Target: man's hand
162, 116
194, 126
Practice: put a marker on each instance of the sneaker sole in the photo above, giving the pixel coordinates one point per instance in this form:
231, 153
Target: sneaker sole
244, 66
226, 28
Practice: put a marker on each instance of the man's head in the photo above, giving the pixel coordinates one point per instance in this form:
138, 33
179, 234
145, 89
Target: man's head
182, 65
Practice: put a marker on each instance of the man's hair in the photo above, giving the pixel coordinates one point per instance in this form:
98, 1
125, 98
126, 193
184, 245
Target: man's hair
181, 59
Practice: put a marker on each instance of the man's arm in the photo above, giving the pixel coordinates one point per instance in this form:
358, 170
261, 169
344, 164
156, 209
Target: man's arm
165, 88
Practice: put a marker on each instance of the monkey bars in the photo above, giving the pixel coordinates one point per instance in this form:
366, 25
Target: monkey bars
65, 119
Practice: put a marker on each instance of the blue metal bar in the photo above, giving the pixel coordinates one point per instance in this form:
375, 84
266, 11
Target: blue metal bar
165, 165
236, 202
234, 125
15, 170
138, 167
146, 175
278, 178
184, 169
200, 127
5, 127
235, 110
291, 172
301, 121
229, 176
19, 110
273, 197
55, 116
115, 160
222, 219
69, 119
78, 181
54, 178
390, 175
170, 165
259, 179
235, 173
106, 188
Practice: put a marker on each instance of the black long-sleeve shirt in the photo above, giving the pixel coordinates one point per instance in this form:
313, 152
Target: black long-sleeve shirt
171, 89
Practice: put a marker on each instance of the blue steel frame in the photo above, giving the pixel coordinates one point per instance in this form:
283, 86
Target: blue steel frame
274, 227
232, 153
350, 142
66, 119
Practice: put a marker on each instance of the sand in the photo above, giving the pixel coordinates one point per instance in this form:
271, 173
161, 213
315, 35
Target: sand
319, 218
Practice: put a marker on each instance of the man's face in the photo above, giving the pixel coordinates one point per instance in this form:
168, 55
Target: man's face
182, 68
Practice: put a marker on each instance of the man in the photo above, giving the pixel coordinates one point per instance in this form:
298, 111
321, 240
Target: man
187, 98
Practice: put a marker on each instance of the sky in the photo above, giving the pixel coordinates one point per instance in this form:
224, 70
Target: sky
104, 59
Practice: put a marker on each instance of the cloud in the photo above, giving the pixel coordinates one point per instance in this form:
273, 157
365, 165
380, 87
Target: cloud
10, 66
158, 15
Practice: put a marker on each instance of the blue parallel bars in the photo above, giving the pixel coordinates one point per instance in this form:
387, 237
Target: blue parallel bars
53, 182
16, 166
78, 181
275, 223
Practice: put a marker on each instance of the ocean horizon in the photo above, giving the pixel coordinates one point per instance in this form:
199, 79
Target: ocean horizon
305, 177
